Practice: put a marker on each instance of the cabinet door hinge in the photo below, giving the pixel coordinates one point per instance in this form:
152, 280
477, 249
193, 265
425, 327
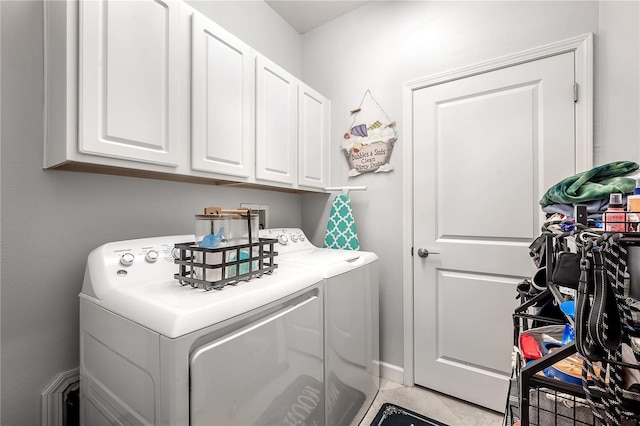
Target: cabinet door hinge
575, 92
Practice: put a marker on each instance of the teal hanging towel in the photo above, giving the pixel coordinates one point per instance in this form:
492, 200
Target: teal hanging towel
341, 228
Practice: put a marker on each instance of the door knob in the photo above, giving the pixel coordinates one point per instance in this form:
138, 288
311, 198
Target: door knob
423, 252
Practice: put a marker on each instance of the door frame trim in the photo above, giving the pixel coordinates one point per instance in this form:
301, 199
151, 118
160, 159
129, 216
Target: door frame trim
582, 47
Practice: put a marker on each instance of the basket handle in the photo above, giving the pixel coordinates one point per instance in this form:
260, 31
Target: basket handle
242, 211
213, 210
217, 211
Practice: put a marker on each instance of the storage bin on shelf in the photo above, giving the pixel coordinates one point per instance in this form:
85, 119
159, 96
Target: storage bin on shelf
622, 222
540, 393
227, 250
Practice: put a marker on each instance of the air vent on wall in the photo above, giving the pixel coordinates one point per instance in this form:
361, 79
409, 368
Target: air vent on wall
60, 400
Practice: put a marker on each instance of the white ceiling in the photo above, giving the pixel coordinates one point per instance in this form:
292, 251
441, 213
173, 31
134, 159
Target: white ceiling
308, 14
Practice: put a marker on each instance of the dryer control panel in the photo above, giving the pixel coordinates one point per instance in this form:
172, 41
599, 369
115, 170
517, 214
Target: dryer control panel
289, 239
131, 262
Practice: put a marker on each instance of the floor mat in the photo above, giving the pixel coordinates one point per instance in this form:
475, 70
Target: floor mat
302, 403
393, 415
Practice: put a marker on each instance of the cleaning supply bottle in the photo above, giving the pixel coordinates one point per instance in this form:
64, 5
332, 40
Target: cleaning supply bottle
614, 217
633, 209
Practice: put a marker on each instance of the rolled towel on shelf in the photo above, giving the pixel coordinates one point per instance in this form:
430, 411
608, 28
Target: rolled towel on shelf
599, 182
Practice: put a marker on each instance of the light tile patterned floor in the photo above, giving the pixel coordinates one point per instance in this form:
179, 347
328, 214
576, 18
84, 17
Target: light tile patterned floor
450, 411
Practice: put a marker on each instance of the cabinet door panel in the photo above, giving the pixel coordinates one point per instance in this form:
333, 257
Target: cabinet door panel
276, 131
313, 138
128, 80
223, 79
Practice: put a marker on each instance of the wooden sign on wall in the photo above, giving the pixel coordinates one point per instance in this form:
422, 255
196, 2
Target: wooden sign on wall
368, 147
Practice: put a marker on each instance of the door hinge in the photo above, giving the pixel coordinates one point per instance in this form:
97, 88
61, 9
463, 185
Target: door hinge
575, 92
411, 251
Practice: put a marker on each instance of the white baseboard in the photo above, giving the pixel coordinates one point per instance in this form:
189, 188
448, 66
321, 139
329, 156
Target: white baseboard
53, 397
391, 372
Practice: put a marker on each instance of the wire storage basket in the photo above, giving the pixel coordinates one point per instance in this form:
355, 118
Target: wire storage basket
240, 256
551, 406
215, 268
537, 396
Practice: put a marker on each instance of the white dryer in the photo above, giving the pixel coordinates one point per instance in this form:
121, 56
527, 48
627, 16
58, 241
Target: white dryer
351, 340
154, 352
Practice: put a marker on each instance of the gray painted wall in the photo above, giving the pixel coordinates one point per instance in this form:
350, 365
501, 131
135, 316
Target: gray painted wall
383, 44
52, 219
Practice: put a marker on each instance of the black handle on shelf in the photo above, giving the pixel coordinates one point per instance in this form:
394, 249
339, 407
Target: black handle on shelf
550, 359
530, 302
630, 238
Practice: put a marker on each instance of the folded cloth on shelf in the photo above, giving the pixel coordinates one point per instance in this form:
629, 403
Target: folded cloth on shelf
595, 208
597, 183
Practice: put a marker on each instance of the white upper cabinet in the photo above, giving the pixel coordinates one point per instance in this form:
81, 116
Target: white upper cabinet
313, 138
276, 123
154, 88
223, 78
129, 80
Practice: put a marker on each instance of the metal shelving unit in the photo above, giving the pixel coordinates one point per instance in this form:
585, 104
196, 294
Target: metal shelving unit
547, 401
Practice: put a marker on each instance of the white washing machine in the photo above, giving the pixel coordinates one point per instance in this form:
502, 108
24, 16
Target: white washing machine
351, 341
153, 352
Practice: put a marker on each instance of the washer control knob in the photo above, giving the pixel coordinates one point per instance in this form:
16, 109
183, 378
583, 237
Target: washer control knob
301, 237
283, 239
127, 259
294, 238
151, 256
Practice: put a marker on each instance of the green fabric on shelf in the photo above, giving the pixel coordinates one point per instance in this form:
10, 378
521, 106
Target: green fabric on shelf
341, 228
594, 184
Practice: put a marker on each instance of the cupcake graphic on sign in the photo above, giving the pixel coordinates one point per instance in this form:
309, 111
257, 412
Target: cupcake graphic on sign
368, 143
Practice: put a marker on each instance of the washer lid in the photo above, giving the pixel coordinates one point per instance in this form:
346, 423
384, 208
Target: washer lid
174, 310
329, 262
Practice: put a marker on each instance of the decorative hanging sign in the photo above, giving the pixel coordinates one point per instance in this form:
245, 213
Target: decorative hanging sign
368, 143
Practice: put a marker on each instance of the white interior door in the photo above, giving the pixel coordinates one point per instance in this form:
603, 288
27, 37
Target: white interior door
485, 149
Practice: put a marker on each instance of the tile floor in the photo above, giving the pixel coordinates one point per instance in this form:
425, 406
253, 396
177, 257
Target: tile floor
450, 411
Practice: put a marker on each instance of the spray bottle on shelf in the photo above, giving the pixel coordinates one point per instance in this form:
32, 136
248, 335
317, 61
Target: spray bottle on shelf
633, 209
614, 217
